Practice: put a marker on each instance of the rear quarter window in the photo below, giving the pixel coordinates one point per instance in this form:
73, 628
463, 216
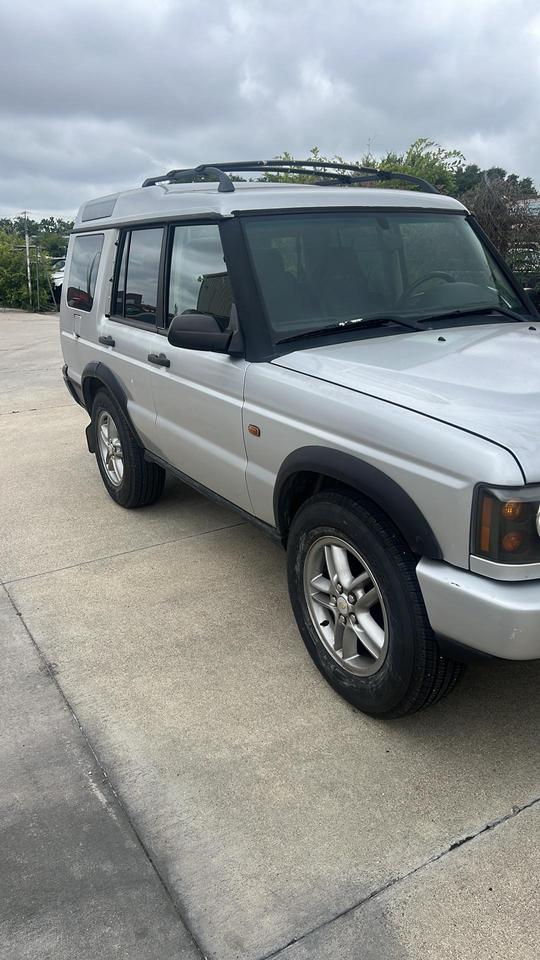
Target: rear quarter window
81, 286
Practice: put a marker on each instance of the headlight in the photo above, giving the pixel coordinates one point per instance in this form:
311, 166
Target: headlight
506, 525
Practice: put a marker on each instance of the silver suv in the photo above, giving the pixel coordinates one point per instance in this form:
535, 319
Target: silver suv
353, 369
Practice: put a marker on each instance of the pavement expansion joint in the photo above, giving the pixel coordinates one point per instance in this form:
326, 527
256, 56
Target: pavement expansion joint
123, 553
54, 406
395, 881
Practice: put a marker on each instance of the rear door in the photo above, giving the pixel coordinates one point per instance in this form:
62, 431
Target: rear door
128, 328
199, 397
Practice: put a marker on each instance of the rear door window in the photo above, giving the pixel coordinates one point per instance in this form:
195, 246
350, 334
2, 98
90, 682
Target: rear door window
137, 283
83, 271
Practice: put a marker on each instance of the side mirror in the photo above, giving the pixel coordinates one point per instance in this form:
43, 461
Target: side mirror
198, 331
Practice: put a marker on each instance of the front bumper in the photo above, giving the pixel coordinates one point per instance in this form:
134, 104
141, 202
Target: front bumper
496, 618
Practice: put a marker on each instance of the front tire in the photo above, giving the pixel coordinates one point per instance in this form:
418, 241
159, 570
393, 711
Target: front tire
358, 605
130, 480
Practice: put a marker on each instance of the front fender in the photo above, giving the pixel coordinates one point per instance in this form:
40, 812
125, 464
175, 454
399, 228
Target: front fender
368, 481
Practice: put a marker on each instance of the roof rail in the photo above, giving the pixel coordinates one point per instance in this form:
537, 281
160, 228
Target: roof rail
323, 170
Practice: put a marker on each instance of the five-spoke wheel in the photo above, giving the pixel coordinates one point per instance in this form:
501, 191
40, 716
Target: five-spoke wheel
110, 448
130, 479
346, 605
359, 608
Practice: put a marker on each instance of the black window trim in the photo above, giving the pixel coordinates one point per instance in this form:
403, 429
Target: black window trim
168, 227
93, 233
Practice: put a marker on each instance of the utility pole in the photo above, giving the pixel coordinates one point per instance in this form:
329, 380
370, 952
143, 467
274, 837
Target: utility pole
27, 246
37, 252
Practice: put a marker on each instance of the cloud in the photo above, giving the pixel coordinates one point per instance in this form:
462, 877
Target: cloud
94, 99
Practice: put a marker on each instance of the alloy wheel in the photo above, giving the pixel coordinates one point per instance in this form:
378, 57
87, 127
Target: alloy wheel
110, 448
346, 605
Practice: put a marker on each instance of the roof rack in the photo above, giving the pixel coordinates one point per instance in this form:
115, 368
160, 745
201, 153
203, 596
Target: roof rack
338, 173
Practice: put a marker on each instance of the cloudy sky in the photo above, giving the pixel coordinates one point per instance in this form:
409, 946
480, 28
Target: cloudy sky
96, 96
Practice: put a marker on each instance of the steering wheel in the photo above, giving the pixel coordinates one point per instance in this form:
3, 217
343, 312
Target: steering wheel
436, 275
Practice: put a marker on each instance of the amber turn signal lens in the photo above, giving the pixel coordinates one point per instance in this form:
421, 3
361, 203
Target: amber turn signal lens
485, 524
513, 510
512, 542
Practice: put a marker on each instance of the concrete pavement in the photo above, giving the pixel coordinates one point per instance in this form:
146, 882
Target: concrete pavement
75, 880
271, 811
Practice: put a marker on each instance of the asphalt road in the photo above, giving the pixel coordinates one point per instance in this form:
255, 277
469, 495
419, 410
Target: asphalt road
177, 779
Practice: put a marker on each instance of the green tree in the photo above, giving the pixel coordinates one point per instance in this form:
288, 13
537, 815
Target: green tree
506, 217
426, 159
48, 242
13, 282
51, 233
13, 273
467, 178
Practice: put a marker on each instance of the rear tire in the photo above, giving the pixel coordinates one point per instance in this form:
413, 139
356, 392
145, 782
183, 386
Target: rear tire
129, 479
368, 635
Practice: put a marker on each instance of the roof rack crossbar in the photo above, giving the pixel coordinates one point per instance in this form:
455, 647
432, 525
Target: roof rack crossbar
177, 176
329, 170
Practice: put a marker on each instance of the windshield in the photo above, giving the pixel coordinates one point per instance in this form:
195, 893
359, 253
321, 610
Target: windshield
317, 269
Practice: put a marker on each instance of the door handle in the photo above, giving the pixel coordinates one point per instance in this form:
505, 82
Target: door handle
107, 341
159, 359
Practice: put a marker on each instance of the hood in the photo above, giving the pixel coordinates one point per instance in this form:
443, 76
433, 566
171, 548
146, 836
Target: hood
484, 379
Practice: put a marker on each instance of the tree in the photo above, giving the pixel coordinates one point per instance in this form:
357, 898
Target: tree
470, 177
467, 178
426, 159
51, 233
48, 242
503, 213
13, 275
510, 222
13, 282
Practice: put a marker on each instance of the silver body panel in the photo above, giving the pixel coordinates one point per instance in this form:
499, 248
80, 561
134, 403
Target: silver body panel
199, 401
435, 463
484, 379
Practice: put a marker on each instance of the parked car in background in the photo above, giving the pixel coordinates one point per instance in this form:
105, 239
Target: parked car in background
353, 370
57, 277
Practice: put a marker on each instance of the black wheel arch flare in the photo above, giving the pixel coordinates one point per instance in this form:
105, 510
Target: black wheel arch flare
98, 371
364, 478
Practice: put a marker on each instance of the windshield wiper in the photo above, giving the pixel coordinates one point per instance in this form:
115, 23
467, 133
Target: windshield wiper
471, 311
373, 321
377, 320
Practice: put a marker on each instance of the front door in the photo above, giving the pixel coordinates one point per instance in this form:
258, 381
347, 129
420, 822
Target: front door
199, 397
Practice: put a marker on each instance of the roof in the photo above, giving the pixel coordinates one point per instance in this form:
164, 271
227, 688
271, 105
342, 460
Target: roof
167, 201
